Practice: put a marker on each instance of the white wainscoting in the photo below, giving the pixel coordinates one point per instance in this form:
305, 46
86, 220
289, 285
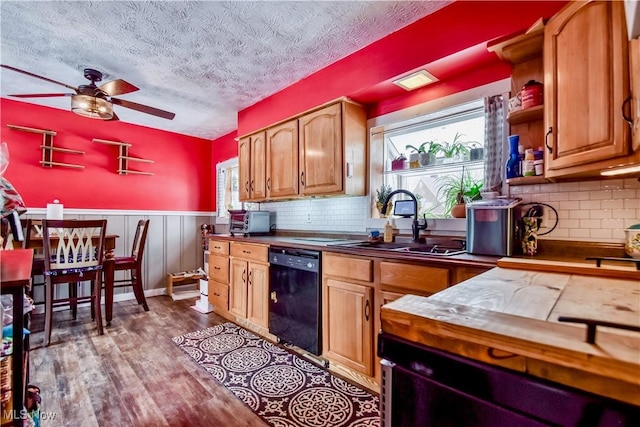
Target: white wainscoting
174, 243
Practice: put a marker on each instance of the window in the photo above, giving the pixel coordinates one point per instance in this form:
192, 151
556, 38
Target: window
451, 142
227, 195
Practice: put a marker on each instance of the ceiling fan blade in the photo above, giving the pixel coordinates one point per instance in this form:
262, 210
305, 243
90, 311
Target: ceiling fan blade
41, 95
38, 77
144, 108
118, 87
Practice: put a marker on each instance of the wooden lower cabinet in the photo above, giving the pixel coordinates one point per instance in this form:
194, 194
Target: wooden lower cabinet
238, 288
218, 284
348, 311
258, 294
249, 283
348, 324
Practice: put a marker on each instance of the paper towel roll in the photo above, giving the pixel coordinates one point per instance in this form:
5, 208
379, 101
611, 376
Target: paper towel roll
55, 210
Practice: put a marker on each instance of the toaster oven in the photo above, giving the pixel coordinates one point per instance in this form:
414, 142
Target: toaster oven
251, 222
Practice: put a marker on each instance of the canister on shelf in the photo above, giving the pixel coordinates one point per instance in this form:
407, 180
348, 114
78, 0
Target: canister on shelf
532, 94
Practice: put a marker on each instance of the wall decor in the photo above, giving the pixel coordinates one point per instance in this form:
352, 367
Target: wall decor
124, 158
48, 148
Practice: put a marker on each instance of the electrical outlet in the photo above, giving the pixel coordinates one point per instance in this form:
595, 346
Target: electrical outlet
308, 216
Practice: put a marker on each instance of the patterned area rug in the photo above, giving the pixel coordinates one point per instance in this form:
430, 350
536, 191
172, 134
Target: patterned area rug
282, 388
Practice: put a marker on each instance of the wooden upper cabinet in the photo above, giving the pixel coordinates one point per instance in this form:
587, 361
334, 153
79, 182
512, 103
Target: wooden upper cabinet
321, 151
586, 83
634, 60
258, 185
244, 163
252, 161
282, 160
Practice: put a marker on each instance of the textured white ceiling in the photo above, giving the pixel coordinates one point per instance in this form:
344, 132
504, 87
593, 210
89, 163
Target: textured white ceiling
204, 61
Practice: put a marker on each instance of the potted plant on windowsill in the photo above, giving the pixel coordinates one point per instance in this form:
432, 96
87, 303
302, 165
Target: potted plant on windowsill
425, 154
398, 163
455, 149
457, 190
381, 195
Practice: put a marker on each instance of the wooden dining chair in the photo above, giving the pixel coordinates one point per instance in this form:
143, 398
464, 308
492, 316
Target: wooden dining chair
73, 252
133, 266
32, 230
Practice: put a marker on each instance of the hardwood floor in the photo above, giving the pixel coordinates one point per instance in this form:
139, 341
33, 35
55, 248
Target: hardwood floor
133, 375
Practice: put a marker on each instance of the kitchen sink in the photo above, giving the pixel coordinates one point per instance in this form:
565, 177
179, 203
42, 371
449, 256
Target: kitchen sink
377, 245
447, 248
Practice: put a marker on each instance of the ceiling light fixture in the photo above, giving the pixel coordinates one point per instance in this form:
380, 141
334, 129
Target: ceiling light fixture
415, 80
620, 171
92, 107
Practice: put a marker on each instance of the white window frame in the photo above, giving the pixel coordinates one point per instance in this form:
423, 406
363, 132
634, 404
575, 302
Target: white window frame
221, 169
407, 117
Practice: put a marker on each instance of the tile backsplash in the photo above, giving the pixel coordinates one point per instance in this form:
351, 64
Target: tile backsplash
341, 214
596, 211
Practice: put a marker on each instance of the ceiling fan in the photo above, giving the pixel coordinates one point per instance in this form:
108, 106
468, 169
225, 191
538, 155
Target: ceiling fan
95, 101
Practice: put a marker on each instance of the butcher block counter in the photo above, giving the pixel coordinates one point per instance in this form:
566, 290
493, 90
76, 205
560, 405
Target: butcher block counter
509, 318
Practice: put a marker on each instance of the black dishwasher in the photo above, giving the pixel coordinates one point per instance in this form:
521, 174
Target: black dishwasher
423, 386
295, 297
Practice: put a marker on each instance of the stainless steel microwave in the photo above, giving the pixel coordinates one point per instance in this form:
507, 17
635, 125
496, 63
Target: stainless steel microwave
252, 222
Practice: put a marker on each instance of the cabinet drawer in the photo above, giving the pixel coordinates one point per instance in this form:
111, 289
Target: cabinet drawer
219, 269
414, 279
219, 247
347, 267
250, 252
219, 295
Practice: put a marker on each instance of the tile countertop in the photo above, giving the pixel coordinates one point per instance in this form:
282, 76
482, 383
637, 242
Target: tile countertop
509, 318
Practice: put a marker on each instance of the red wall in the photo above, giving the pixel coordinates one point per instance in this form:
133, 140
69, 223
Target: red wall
183, 178
451, 41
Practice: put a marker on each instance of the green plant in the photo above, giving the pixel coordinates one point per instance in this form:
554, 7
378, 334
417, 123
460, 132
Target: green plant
432, 147
382, 193
457, 189
454, 147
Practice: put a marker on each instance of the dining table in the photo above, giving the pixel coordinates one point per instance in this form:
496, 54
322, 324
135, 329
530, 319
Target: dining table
108, 268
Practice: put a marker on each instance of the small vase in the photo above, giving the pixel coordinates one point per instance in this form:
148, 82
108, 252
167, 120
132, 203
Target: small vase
513, 162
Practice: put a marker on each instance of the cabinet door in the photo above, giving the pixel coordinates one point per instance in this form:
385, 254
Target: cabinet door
258, 295
282, 160
238, 288
257, 185
347, 317
244, 168
634, 67
321, 158
586, 83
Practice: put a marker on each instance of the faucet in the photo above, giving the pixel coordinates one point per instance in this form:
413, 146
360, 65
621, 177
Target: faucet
415, 225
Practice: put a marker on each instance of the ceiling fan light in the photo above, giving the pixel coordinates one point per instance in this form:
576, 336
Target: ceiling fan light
92, 107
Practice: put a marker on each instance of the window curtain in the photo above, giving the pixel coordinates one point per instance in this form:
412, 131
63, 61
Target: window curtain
495, 146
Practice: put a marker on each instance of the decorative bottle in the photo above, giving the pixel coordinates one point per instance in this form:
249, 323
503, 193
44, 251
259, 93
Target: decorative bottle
513, 162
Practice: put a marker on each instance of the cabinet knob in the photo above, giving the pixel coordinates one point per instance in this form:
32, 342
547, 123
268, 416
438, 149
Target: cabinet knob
302, 178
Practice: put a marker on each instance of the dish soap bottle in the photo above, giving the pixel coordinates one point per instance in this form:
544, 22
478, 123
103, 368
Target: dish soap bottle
388, 232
